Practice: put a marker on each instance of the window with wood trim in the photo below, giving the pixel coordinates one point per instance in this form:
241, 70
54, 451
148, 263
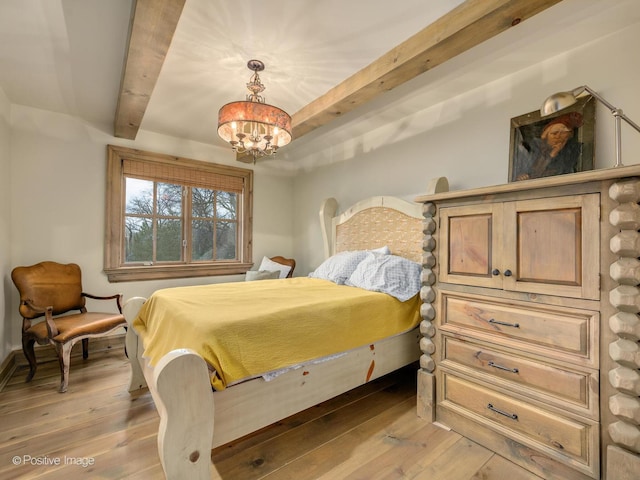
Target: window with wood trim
170, 217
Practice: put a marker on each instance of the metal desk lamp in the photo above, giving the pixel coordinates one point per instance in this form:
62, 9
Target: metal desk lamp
562, 100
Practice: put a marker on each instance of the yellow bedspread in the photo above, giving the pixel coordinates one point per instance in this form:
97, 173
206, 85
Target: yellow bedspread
245, 329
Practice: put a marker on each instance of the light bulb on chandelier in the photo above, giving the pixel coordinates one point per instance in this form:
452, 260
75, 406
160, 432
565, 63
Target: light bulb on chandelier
253, 126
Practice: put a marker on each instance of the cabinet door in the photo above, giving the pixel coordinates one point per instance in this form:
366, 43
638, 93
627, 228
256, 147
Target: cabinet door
552, 246
470, 244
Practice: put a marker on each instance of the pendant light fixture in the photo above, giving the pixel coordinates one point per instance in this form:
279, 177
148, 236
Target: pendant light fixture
252, 126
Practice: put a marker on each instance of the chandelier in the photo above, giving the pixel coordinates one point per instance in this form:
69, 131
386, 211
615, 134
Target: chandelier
252, 126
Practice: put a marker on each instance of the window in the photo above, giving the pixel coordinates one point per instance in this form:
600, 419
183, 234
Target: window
171, 217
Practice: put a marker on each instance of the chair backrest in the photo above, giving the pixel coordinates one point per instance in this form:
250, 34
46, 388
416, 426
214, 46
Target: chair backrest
49, 284
290, 262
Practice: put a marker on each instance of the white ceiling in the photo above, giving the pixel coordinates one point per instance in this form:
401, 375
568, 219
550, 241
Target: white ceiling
67, 56
64, 56
307, 46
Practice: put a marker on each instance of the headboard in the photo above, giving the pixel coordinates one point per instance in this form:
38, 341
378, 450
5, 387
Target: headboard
376, 222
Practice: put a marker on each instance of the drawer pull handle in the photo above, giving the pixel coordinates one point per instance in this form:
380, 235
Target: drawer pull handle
507, 369
512, 416
514, 325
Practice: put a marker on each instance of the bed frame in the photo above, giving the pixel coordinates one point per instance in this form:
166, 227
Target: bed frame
180, 383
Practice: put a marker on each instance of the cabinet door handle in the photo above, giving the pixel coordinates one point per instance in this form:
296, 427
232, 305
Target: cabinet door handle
512, 416
495, 271
507, 273
506, 369
514, 325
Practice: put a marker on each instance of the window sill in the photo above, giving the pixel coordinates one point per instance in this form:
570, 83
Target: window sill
131, 274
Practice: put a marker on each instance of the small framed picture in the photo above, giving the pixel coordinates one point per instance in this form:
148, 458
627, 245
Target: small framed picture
553, 145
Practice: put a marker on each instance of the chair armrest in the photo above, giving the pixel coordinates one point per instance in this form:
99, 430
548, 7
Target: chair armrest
117, 297
34, 307
52, 330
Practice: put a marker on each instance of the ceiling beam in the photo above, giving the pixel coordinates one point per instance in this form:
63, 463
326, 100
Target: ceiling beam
466, 26
471, 23
152, 27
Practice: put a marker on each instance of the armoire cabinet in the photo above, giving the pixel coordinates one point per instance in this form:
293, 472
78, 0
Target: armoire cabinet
530, 321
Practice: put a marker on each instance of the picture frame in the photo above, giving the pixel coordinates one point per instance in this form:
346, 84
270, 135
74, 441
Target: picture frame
553, 145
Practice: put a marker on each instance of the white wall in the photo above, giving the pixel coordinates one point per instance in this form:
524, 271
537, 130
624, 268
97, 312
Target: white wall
6, 324
54, 166
466, 138
58, 175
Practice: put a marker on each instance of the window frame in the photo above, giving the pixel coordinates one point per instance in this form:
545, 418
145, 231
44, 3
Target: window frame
114, 266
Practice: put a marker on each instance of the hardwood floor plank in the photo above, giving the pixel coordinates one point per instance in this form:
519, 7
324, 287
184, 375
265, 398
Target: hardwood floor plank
461, 461
349, 452
93, 451
116, 459
370, 433
499, 468
153, 472
83, 428
39, 391
310, 414
48, 373
425, 445
47, 414
264, 458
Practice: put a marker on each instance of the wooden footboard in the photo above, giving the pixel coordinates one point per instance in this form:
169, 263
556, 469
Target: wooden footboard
190, 425
180, 387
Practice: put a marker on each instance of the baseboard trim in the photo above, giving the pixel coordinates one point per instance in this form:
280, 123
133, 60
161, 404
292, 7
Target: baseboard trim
7, 368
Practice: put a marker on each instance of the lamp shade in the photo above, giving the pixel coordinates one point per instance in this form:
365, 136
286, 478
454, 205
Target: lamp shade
253, 126
248, 118
556, 102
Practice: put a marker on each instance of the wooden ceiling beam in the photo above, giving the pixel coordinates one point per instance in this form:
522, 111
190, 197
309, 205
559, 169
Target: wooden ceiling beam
471, 23
152, 27
466, 26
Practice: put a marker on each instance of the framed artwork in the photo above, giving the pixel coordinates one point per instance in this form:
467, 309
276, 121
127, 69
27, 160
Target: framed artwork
553, 145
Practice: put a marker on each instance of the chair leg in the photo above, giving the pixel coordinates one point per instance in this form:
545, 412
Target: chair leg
85, 348
30, 355
64, 358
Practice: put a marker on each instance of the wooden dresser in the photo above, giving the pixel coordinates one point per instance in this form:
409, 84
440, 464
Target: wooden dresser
530, 321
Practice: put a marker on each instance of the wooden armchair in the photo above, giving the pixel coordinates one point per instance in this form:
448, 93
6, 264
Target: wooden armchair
49, 289
286, 261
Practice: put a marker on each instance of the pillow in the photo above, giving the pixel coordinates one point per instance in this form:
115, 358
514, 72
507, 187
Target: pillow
261, 275
382, 250
339, 267
389, 274
268, 264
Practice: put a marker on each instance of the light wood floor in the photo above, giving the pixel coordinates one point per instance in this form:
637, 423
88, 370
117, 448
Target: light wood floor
370, 433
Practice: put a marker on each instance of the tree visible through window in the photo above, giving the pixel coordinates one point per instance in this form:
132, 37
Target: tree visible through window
179, 217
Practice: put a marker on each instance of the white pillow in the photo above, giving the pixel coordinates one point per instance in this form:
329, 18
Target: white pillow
339, 267
389, 274
261, 275
268, 264
382, 250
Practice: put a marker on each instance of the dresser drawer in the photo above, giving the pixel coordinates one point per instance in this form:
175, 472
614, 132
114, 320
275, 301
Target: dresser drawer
545, 382
562, 333
573, 440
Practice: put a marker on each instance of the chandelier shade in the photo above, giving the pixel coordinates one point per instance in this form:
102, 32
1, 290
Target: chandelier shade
253, 126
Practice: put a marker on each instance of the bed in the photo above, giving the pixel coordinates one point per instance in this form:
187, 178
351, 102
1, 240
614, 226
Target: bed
201, 409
